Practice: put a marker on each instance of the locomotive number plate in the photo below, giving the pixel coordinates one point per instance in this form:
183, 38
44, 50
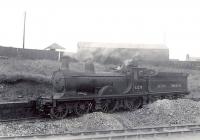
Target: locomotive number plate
138, 87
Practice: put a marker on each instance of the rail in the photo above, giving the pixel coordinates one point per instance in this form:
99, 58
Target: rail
141, 132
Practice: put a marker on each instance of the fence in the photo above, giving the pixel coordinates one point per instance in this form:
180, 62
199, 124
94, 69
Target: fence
28, 53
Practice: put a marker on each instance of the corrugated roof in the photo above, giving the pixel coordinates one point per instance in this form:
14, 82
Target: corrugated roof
120, 45
55, 46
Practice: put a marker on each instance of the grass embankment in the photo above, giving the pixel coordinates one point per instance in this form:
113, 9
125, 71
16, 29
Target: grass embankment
29, 79
25, 79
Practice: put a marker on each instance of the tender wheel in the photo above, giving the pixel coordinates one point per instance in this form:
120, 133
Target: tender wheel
133, 103
169, 97
179, 96
109, 106
59, 112
175, 97
81, 108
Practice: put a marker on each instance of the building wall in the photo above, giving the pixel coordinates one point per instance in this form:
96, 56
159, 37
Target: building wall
28, 53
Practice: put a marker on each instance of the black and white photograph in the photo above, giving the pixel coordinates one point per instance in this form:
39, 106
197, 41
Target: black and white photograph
100, 69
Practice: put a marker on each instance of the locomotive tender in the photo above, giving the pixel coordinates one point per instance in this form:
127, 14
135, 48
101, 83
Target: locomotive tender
81, 92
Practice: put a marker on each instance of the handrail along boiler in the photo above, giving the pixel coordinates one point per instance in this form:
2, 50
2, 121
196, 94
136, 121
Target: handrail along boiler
82, 92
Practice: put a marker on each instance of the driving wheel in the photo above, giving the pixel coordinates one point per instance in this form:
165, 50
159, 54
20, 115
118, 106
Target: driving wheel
108, 105
59, 112
133, 103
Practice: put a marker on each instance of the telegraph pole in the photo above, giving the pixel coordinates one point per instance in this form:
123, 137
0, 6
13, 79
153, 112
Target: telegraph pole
24, 30
164, 38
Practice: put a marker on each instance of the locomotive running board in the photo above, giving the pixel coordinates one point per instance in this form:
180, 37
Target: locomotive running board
119, 96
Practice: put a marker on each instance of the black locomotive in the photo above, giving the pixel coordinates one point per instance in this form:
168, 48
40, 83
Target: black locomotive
81, 92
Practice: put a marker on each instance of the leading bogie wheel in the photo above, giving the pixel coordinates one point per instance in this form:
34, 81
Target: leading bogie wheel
59, 112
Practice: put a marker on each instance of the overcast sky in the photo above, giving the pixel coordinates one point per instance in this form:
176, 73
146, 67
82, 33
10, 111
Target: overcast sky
175, 23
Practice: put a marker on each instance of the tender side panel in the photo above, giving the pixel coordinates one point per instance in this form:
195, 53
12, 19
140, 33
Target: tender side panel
168, 84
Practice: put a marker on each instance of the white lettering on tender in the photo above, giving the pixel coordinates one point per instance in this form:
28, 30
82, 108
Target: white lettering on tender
161, 86
176, 85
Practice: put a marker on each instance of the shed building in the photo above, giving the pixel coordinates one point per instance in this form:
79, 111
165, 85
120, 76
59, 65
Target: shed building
122, 51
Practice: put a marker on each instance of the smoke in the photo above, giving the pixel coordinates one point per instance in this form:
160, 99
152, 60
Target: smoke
115, 56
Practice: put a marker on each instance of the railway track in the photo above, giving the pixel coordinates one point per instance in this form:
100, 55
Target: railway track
193, 99
142, 132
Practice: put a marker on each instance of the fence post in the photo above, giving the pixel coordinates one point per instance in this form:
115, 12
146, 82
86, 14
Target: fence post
58, 55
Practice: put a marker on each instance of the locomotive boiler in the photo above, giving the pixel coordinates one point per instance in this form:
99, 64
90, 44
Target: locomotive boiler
81, 92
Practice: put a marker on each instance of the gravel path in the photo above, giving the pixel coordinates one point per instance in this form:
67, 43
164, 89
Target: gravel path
162, 112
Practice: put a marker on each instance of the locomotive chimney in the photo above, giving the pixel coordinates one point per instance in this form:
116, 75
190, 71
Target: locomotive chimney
133, 72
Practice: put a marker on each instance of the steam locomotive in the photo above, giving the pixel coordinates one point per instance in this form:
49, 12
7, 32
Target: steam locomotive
129, 89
